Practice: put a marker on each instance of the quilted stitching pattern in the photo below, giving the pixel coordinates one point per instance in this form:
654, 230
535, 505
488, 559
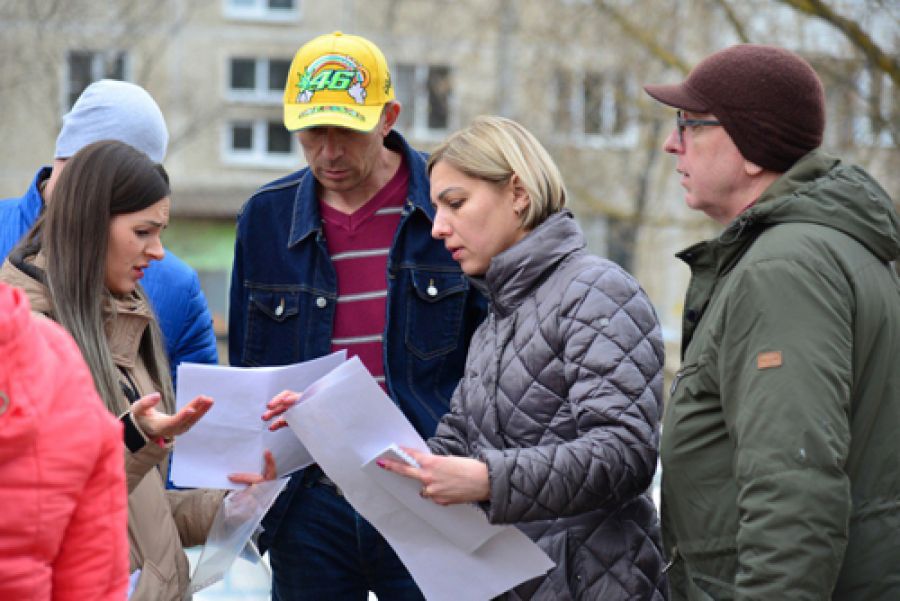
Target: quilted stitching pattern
562, 398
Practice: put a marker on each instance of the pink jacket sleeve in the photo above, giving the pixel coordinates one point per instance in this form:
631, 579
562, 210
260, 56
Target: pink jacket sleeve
63, 527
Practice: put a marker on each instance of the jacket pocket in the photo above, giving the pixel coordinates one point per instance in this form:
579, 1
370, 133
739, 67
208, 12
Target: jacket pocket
273, 332
435, 312
707, 563
686, 371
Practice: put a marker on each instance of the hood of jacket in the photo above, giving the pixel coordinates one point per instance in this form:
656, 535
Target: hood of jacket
821, 189
516, 271
818, 189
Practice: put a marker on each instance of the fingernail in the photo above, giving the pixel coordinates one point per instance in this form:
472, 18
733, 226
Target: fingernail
380, 463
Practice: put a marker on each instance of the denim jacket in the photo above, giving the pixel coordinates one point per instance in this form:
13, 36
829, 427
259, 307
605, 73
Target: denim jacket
284, 293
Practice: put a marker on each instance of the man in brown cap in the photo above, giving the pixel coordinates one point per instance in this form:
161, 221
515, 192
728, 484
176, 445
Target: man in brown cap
780, 453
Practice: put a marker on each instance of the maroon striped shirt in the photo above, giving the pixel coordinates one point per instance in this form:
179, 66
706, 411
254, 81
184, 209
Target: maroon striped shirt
359, 244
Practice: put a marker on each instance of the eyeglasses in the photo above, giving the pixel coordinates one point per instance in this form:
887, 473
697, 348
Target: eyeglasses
683, 123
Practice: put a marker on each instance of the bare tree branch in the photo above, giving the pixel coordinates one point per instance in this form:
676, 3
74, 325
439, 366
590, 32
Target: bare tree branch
643, 36
732, 17
853, 32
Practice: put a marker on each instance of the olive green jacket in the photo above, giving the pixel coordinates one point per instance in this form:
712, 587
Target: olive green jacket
781, 439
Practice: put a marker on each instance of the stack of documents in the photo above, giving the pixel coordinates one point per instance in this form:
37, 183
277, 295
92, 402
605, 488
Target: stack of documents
345, 422
231, 437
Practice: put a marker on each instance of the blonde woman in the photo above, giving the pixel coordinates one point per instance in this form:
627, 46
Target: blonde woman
554, 426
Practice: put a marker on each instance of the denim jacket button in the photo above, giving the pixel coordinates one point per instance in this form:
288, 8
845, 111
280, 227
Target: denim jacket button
321, 302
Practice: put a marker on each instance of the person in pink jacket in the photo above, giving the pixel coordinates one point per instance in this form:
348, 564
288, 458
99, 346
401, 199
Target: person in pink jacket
63, 523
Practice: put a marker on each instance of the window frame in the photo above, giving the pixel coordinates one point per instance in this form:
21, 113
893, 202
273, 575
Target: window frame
98, 72
416, 125
261, 93
613, 82
258, 156
259, 10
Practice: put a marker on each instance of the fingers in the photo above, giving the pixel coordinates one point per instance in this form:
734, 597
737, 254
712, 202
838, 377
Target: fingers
269, 472
146, 402
245, 478
278, 425
400, 467
280, 403
190, 414
200, 405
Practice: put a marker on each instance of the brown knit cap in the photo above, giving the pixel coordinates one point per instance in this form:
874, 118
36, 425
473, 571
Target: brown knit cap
769, 100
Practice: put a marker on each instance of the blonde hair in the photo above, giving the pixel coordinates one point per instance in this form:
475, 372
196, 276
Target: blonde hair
494, 149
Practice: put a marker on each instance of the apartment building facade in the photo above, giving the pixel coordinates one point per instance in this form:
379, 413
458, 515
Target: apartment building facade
570, 70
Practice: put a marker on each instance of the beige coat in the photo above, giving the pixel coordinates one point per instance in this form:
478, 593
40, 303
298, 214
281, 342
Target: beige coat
160, 522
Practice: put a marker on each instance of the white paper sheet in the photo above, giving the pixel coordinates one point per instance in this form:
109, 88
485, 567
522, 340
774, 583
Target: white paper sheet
346, 422
231, 437
229, 536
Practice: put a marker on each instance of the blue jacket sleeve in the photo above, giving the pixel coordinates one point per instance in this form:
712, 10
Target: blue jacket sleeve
182, 311
196, 342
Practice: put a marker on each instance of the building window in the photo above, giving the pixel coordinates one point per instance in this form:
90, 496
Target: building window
257, 79
259, 142
439, 88
595, 108
426, 94
605, 104
263, 10
84, 67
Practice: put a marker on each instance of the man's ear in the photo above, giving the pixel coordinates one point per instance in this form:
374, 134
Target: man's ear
391, 114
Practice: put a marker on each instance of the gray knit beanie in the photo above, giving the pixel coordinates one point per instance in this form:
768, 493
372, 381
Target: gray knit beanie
114, 110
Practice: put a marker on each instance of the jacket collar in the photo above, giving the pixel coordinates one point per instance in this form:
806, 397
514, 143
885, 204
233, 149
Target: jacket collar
33, 201
126, 320
29, 276
817, 189
307, 219
518, 270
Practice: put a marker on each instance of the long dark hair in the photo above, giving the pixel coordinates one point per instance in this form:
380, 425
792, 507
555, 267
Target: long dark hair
101, 180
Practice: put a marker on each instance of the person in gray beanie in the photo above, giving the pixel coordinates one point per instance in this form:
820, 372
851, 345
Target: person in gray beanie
780, 454
100, 112
123, 111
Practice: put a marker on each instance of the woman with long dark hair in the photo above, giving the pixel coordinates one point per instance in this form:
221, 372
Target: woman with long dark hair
81, 266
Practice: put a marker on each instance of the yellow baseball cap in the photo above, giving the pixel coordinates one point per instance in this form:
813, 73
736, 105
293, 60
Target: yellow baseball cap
338, 80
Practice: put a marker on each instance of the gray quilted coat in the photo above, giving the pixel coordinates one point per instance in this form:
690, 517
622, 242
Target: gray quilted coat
561, 397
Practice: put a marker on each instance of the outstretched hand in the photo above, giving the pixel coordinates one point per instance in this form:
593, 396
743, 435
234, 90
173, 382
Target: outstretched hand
445, 480
156, 424
280, 403
269, 472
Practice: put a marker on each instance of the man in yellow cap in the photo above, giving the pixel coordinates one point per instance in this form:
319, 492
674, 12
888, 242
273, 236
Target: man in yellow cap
339, 255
